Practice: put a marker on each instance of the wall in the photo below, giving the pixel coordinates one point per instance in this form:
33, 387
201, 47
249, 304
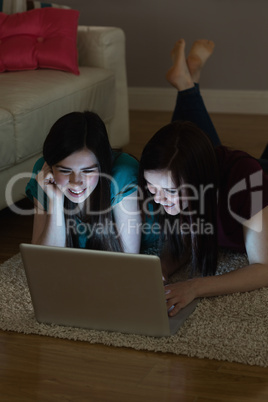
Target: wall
238, 27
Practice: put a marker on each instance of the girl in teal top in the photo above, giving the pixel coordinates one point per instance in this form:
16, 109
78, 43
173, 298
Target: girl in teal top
85, 194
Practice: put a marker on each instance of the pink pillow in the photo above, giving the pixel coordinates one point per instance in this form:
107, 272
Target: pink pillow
40, 38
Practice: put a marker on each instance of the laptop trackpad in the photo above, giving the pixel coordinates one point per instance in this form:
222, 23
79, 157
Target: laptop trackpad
176, 322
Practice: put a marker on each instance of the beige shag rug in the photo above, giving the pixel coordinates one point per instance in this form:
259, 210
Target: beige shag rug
233, 328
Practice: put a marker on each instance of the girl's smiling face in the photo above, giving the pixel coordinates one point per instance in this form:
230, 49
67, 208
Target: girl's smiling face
161, 185
77, 175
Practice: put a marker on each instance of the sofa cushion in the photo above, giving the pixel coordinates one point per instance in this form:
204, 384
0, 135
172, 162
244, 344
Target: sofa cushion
38, 98
43, 38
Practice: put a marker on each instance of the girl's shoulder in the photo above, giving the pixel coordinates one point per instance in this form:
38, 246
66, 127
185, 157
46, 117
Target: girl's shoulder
125, 171
235, 165
38, 165
122, 159
228, 157
240, 176
33, 190
125, 167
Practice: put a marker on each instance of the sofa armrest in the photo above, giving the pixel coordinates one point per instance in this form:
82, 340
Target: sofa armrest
104, 47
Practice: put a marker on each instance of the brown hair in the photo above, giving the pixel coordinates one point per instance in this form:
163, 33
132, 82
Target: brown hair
183, 149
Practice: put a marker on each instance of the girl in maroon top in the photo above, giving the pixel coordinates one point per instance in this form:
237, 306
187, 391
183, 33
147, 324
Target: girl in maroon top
204, 195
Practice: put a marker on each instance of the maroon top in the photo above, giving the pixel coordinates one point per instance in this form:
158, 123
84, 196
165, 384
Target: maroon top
243, 191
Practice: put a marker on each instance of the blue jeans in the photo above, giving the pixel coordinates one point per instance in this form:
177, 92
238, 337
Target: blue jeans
190, 106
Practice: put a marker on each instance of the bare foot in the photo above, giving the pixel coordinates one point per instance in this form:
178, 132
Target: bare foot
179, 75
199, 53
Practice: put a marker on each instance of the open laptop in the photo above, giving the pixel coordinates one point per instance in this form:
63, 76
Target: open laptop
99, 290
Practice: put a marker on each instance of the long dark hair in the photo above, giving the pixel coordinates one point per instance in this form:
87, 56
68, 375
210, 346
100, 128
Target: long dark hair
71, 133
183, 149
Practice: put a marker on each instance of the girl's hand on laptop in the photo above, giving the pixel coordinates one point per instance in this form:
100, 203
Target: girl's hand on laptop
46, 181
164, 279
179, 295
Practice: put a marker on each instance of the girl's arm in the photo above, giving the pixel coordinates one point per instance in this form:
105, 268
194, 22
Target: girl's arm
128, 221
49, 226
251, 277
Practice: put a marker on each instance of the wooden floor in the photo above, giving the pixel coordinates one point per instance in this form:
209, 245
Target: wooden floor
248, 133
36, 368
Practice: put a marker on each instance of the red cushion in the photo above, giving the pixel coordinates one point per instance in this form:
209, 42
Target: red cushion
40, 38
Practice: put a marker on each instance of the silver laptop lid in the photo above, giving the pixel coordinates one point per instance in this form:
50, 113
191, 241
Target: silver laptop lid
99, 290
96, 289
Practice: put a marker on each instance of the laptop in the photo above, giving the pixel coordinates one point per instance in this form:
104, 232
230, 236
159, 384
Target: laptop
99, 290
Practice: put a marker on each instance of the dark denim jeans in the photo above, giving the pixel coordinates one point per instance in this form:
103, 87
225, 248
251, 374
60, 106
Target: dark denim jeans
190, 106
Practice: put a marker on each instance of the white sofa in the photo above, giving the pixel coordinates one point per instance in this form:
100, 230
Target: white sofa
31, 101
